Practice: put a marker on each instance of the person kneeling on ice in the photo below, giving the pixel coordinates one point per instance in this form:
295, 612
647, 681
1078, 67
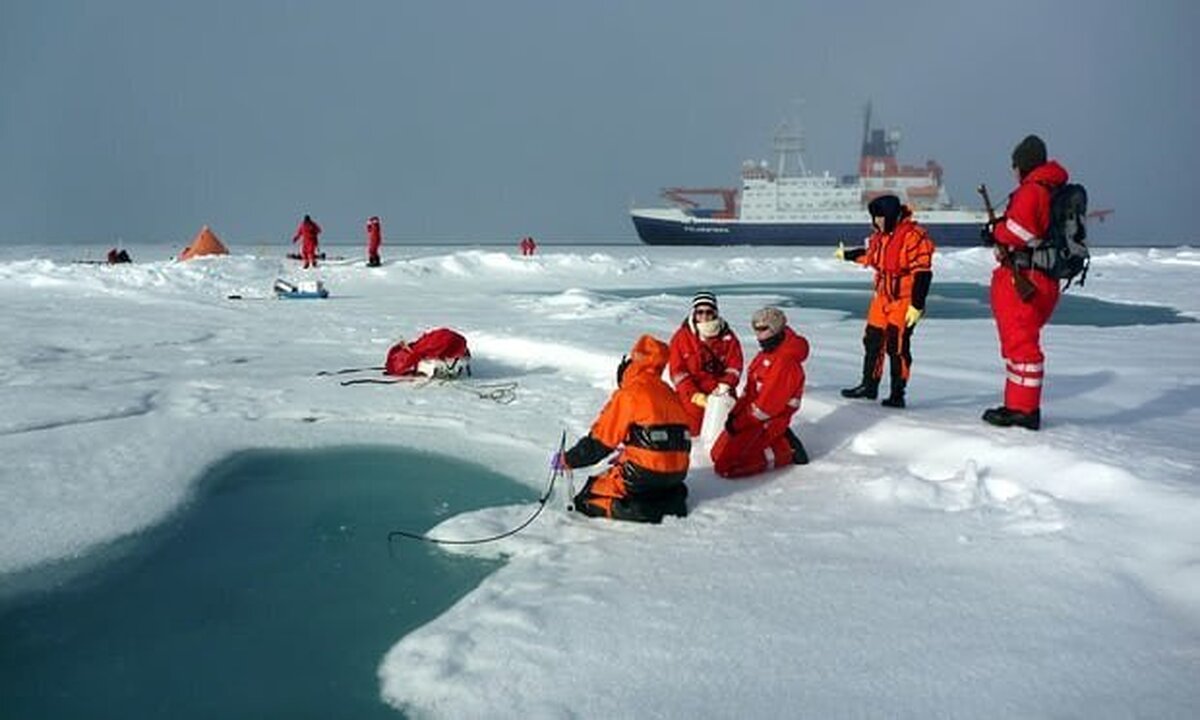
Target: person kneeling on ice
706, 358
645, 422
756, 434
440, 353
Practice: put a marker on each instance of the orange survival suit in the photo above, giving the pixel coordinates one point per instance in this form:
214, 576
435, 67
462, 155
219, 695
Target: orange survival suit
645, 422
902, 256
307, 233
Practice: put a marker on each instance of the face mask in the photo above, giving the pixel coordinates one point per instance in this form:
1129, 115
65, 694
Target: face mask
770, 343
708, 328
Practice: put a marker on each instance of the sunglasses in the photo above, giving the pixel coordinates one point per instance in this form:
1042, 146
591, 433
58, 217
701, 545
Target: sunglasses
761, 328
704, 312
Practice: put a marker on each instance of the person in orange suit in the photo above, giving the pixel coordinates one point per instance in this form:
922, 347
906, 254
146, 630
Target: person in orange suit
901, 253
308, 232
757, 435
706, 358
644, 423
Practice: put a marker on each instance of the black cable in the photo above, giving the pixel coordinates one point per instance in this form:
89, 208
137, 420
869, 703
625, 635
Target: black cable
343, 371
554, 473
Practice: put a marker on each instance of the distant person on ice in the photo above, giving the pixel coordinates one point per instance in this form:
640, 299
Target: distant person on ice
901, 253
528, 246
374, 240
757, 435
307, 233
1018, 322
644, 422
706, 358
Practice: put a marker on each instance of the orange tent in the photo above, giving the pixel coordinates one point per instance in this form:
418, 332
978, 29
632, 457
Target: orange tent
206, 242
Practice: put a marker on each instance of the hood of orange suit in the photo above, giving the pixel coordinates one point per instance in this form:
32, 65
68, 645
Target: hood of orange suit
648, 357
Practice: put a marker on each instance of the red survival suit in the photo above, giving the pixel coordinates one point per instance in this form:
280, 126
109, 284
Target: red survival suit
699, 364
374, 240
644, 420
760, 418
1020, 323
307, 233
439, 344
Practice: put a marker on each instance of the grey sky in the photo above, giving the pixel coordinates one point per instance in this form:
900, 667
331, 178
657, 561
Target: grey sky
485, 121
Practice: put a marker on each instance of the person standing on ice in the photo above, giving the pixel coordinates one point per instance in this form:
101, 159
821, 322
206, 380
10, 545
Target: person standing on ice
1019, 322
902, 254
308, 232
646, 424
374, 240
757, 433
706, 358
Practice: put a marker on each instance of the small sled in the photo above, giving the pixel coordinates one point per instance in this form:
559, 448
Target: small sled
306, 290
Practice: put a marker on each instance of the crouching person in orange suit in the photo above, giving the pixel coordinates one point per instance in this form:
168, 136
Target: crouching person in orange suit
646, 424
757, 436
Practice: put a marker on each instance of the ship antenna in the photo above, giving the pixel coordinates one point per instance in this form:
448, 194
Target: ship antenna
790, 144
866, 127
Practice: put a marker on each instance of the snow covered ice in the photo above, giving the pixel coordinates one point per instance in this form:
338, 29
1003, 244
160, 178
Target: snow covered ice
924, 564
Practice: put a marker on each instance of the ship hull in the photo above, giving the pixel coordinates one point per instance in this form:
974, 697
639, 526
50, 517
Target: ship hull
664, 231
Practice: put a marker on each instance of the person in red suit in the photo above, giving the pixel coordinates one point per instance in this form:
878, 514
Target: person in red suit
1020, 322
757, 435
307, 233
706, 358
374, 240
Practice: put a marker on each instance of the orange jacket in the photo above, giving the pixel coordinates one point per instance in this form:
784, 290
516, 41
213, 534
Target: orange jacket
308, 232
897, 258
644, 418
774, 387
698, 364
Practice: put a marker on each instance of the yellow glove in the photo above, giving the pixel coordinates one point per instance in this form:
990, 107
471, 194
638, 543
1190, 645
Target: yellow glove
840, 253
912, 316
699, 399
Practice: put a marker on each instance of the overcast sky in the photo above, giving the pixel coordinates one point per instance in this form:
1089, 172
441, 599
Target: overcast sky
485, 121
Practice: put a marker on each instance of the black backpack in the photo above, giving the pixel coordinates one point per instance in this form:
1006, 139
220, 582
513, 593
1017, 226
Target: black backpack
1063, 254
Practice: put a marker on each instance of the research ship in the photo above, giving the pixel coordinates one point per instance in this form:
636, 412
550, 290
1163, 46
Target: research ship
788, 205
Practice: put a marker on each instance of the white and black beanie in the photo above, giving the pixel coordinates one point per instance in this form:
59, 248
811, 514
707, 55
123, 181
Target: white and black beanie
704, 298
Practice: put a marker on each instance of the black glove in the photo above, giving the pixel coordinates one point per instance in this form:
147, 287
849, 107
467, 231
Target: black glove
729, 425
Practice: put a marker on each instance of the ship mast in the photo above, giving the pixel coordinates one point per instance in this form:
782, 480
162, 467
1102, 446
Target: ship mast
789, 151
866, 128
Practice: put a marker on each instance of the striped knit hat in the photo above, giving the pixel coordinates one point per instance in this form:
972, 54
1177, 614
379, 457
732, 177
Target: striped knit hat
704, 298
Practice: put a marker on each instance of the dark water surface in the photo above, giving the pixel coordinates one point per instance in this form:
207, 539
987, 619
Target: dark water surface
947, 301
272, 594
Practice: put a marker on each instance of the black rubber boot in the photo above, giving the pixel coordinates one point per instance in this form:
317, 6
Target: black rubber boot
868, 389
872, 347
799, 454
1004, 417
896, 399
